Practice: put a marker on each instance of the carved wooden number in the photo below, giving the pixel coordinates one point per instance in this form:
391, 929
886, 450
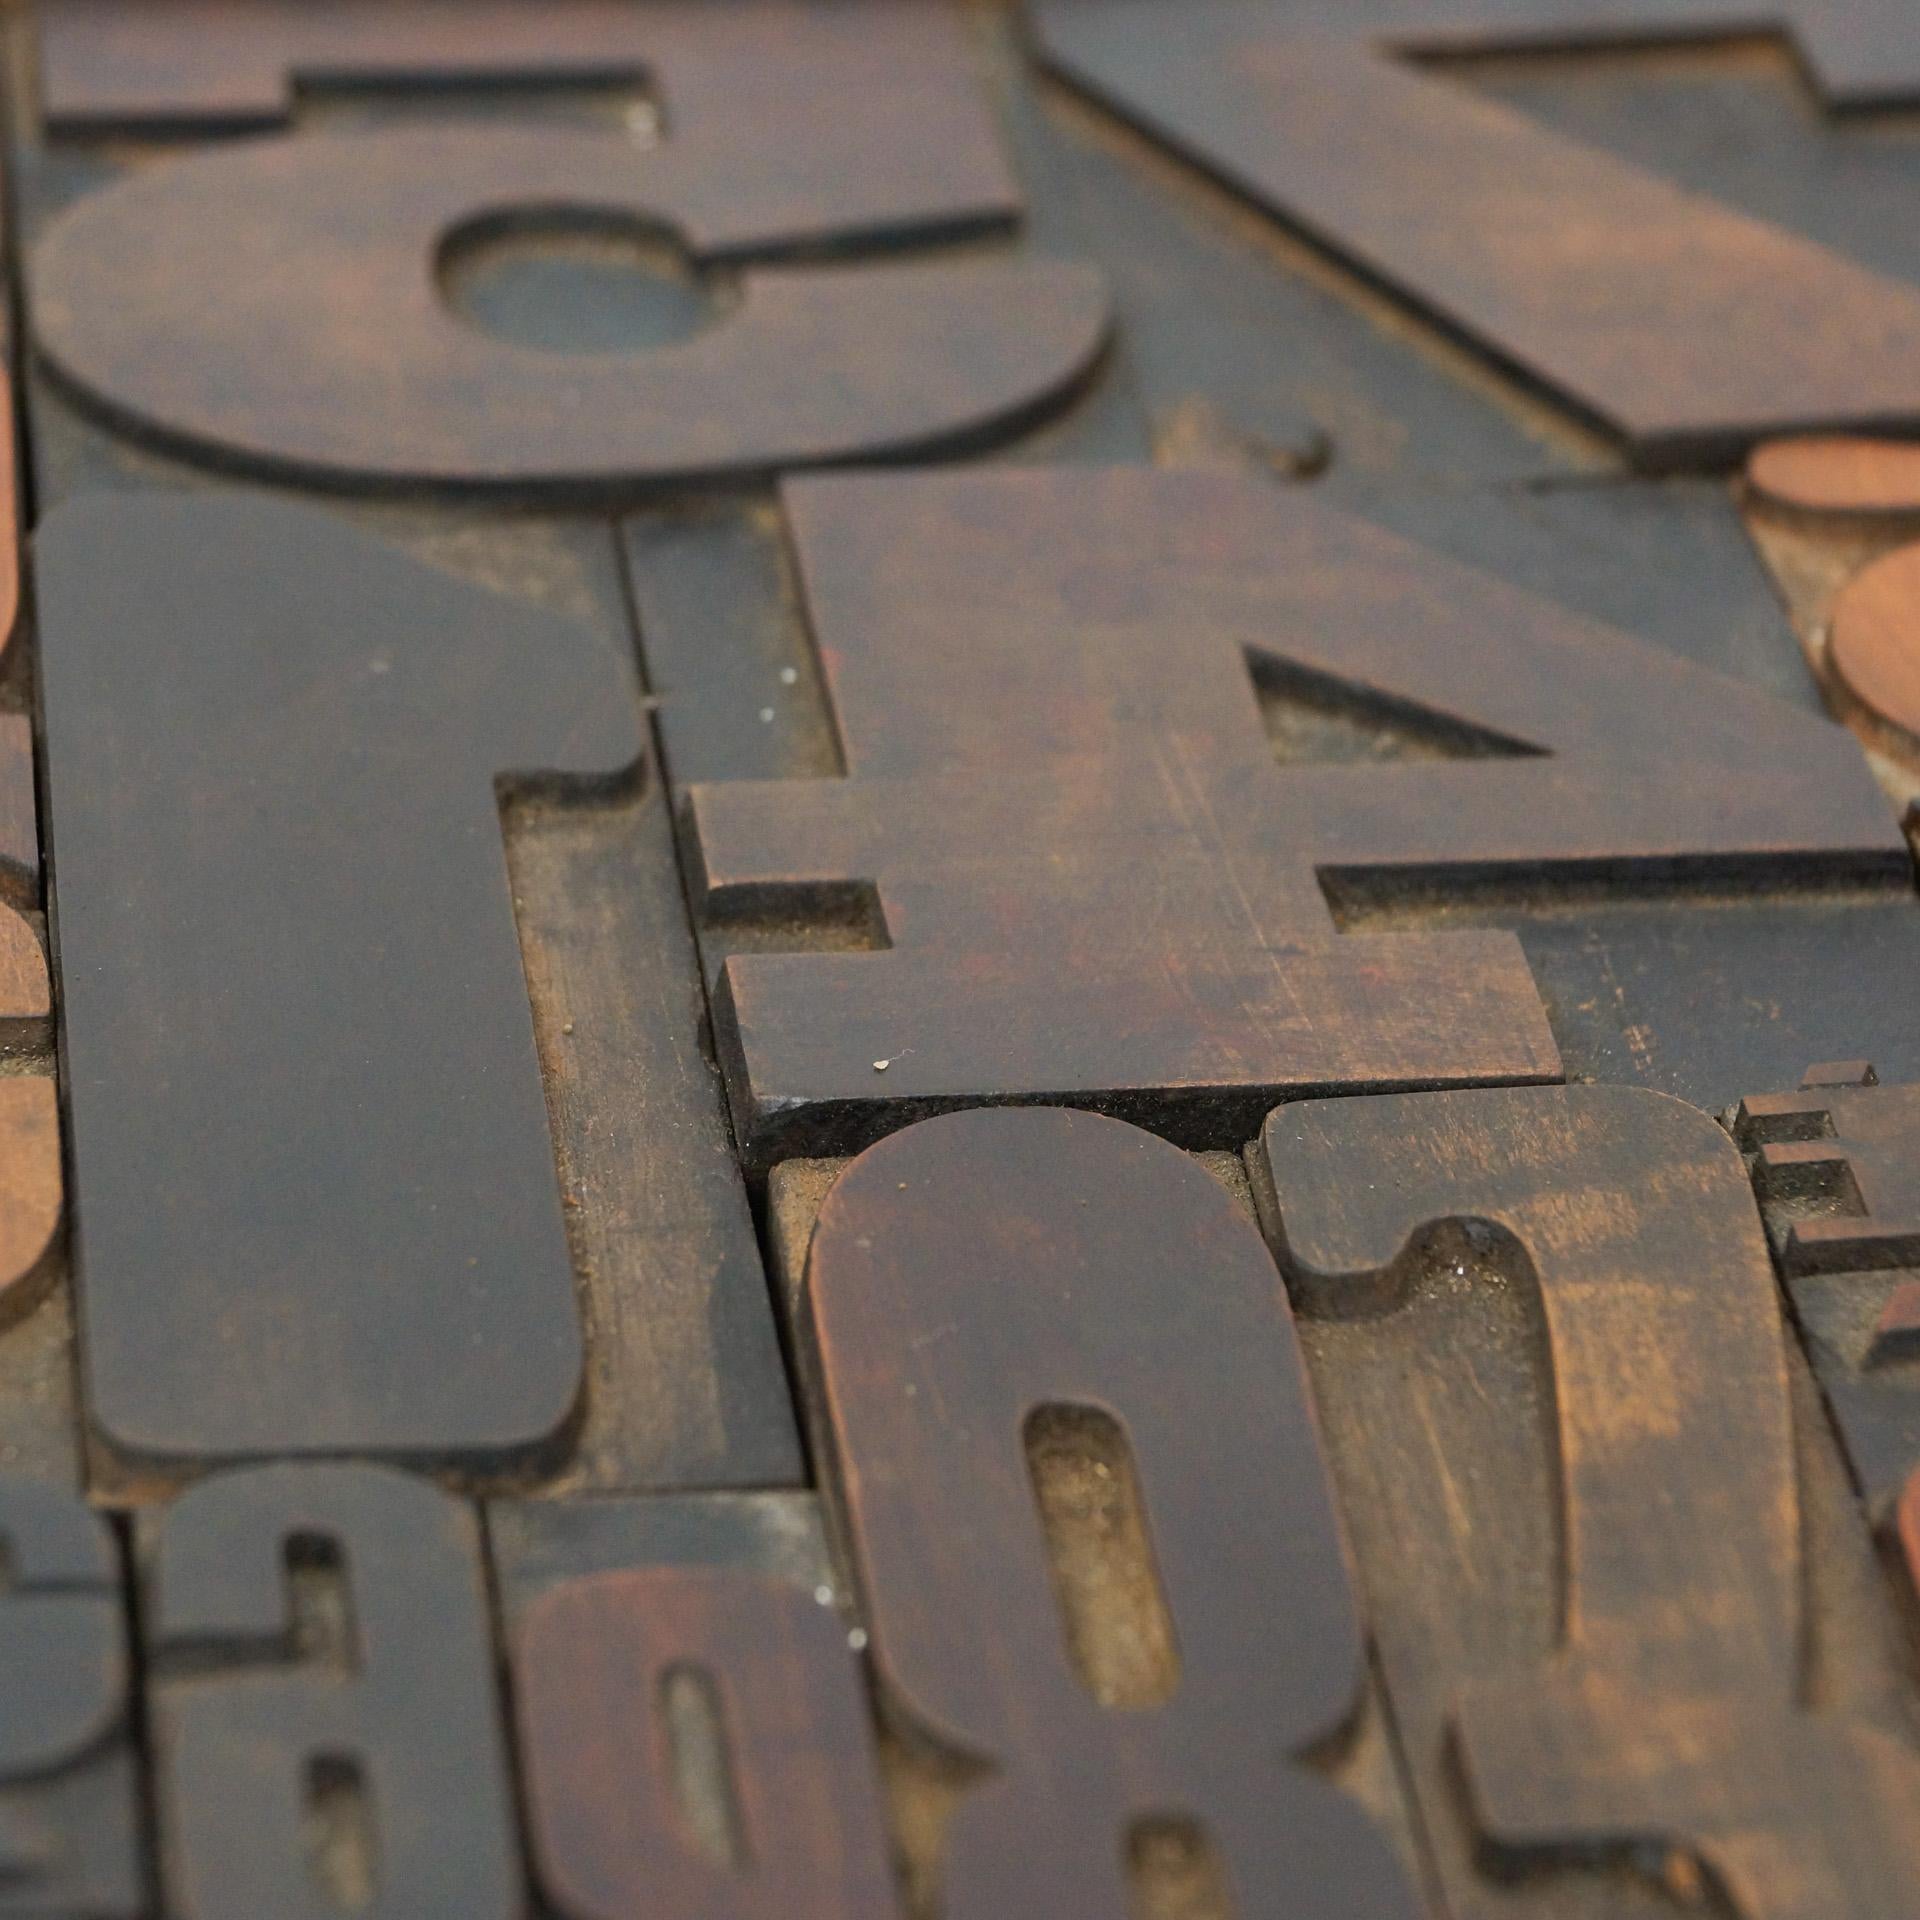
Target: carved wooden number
1001, 1302
1837, 1169
1095, 880
1872, 655
69, 1814
317, 1184
1680, 325
337, 354
698, 1743
323, 1702
1671, 1717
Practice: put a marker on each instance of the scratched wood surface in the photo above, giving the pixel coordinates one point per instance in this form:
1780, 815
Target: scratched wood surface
1162, 1158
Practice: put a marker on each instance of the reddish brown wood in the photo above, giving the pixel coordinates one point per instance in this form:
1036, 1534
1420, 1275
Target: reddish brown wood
9, 521
19, 818
337, 355
1684, 327
1096, 881
1873, 654
1834, 474
31, 1186
1673, 1713
612, 1829
1856, 1146
1837, 1169
987, 1269
1896, 1334
1874, 649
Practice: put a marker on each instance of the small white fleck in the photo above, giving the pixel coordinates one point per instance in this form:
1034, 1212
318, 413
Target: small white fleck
857, 1639
766, 716
789, 676
823, 1596
880, 1066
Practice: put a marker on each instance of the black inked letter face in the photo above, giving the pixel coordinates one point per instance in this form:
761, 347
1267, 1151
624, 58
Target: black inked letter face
316, 1185
325, 1717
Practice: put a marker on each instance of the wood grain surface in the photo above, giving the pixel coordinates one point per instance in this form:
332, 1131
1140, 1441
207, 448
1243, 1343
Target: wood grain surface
1846, 1138
205, 64
633, 1685
1094, 876
1682, 326
1005, 1305
311, 1149
325, 1722
1855, 53
352, 240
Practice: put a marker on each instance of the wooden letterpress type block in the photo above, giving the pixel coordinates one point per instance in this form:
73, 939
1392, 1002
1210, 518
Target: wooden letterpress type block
1563, 1416
325, 1717
1050, 1317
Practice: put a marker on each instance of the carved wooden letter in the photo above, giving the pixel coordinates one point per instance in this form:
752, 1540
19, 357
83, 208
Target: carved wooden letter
1097, 883
311, 1155
630, 1682
324, 1705
1681, 325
